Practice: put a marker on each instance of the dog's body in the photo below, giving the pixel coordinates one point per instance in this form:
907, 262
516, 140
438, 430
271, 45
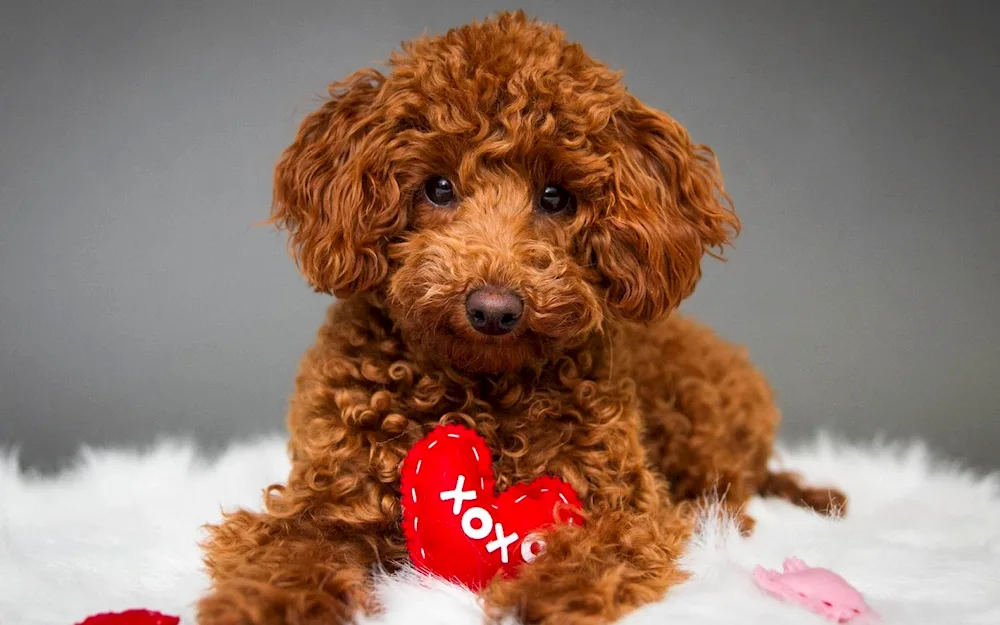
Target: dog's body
509, 232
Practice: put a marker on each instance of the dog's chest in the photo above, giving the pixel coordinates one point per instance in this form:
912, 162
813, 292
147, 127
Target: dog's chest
553, 427
566, 442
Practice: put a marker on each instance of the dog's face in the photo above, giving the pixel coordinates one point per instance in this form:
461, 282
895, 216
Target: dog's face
503, 193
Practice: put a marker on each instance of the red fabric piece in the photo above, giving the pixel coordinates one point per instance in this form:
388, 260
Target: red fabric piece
131, 617
448, 477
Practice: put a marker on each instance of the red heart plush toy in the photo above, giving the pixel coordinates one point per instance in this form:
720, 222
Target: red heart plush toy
131, 617
457, 527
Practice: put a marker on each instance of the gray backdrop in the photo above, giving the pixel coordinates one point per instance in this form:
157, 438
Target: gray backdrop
139, 300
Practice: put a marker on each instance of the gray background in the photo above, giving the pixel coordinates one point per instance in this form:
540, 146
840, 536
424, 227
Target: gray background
138, 299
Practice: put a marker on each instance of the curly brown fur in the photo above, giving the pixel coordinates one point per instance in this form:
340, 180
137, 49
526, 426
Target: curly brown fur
643, 412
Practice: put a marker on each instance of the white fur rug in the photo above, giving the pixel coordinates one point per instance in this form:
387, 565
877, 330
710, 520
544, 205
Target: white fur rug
922, 540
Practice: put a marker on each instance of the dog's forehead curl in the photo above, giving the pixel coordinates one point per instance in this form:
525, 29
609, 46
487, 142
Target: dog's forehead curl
518, 81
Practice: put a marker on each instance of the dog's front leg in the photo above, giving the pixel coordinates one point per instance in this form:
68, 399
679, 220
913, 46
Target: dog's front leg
595, 574
274, 571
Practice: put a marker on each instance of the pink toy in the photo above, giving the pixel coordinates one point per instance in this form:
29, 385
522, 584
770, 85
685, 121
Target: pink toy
819, 590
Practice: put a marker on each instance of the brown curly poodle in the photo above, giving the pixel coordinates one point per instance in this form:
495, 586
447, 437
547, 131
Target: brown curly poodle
508, 232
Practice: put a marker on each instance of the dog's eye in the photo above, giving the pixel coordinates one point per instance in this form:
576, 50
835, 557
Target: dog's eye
555, 199
439, 191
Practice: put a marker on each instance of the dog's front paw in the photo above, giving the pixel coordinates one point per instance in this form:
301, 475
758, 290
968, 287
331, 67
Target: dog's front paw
245, 602
595, 574
509, 601
576, 581
225, 607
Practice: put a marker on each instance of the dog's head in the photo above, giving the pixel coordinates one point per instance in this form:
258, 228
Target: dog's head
503, 193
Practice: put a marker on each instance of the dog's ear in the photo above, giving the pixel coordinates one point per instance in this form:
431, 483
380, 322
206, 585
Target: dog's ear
335, 191
666, 208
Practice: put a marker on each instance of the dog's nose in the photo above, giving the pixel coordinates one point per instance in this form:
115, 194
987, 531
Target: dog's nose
494, 310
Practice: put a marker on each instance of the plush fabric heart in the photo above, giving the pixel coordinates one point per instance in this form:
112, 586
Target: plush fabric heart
457, 527
131, 617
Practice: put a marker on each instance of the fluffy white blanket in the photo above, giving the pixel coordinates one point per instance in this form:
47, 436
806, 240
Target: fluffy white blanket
120, 530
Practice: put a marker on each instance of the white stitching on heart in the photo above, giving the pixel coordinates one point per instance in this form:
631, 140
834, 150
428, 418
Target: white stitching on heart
453, 436
416, 523
423, 554
431, 446
563, 497
520, 499
475, 453
419, 462
413, 494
